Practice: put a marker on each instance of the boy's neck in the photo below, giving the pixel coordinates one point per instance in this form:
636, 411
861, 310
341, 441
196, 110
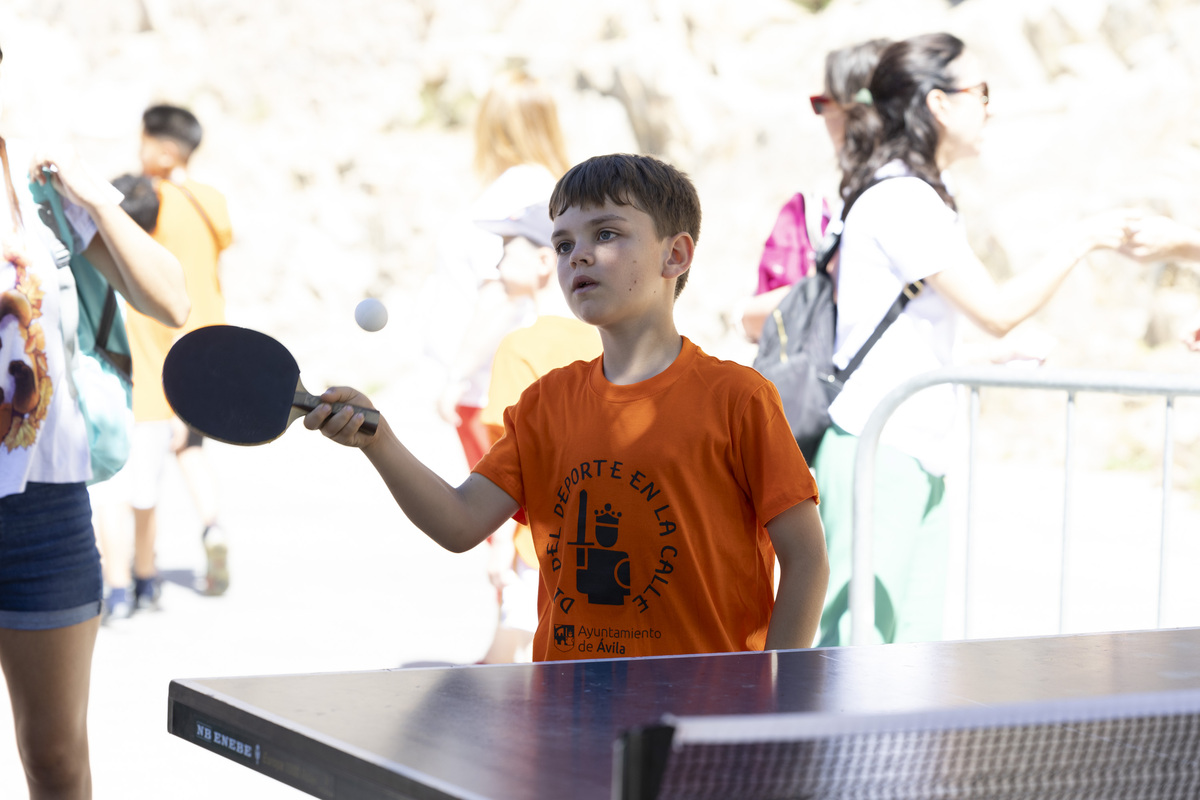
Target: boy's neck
176, 174
635, 356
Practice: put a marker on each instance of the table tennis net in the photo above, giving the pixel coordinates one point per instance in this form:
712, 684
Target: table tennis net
1128, 746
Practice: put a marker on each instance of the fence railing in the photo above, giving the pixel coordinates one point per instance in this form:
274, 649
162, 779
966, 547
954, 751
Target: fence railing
1167, 386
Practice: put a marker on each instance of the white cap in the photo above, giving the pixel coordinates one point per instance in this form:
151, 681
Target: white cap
533, 222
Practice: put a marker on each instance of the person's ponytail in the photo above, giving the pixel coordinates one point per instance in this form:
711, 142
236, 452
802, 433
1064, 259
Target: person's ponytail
898, 125
863, 135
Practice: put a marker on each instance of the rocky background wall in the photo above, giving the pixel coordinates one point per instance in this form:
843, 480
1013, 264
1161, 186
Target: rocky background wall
341, 134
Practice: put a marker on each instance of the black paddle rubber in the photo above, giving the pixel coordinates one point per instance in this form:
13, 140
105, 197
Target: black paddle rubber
238, 385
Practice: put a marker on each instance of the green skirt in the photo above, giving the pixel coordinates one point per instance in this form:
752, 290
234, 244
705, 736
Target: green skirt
911, 544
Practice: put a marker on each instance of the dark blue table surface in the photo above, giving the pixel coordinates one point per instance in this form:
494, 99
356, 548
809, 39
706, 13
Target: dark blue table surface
547, 730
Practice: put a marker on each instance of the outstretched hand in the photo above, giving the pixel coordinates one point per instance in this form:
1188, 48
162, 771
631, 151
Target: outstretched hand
1109, 230
1152, 237
344, 426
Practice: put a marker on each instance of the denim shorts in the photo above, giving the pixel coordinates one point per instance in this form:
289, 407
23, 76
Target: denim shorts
49, 564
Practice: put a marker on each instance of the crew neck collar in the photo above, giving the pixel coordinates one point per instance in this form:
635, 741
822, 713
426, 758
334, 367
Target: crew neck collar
636, 391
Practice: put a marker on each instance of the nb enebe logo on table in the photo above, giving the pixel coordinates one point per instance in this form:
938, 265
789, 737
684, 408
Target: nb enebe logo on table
207, 733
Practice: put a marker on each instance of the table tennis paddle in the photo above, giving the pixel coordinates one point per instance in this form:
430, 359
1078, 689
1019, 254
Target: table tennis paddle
239, 386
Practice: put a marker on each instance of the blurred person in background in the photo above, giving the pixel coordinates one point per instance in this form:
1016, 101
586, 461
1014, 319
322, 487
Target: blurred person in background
519, 156
555, 339
927, 109
191, 220
50, 584
847, 72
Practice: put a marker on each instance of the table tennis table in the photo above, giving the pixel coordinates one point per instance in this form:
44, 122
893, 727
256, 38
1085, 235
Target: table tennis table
515, 732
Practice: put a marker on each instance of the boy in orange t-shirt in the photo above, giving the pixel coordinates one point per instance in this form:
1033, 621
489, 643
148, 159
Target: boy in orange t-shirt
191, 220
660, 483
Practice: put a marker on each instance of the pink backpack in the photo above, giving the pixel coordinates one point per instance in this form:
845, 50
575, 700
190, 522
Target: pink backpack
788, 254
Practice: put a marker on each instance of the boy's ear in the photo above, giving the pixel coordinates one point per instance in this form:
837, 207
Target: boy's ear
547, 265
681, 249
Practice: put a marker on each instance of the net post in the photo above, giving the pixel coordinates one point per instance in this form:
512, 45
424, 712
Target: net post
1068, 465
862, 571
1168, 457
639, 761
972, 440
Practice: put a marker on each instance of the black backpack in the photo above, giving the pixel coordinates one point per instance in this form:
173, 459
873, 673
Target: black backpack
795, 350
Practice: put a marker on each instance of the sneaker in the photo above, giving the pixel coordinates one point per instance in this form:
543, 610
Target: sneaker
117, 605
147, 593
216, 552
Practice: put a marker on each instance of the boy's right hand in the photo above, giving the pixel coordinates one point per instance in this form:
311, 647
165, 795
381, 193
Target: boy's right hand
342, 427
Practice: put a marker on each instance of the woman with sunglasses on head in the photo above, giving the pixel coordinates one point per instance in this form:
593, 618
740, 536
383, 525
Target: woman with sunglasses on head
847, 73
50, 583
926, 110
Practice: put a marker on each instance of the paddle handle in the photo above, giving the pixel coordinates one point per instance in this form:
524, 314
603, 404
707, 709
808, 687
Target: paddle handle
308, 402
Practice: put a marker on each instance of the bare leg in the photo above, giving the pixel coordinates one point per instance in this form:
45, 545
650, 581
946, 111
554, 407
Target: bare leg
198, 475
48, 674
145, 534
510, 645
113, 540
201, 482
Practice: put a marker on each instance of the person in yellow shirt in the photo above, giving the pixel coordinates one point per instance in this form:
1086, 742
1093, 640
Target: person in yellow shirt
555, 339
193, 223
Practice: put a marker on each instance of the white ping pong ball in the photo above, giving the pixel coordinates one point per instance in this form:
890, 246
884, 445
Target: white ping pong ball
371, 315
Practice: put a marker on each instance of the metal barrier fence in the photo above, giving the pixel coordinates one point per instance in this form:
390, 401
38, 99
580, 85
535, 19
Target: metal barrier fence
862, 585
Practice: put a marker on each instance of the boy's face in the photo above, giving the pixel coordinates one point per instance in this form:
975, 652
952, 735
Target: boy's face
159, 157
525, 267
613, 267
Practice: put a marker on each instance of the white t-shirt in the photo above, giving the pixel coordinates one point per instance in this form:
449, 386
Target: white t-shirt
897, 232
48, 442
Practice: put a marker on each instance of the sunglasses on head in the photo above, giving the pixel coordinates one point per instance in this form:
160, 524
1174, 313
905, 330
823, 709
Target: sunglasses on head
984, 95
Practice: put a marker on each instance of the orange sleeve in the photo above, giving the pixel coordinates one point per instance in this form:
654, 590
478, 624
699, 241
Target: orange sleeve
776, 472
502, 463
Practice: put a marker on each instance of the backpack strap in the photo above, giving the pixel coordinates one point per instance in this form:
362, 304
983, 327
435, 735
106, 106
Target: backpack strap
200, 210
828, 246
893, 313
106, 318
123, 362
833, 236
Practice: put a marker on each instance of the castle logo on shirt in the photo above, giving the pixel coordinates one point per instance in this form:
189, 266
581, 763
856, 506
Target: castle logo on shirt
609, 511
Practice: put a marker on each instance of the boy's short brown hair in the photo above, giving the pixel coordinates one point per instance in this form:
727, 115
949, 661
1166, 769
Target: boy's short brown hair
176, 124
649, 185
